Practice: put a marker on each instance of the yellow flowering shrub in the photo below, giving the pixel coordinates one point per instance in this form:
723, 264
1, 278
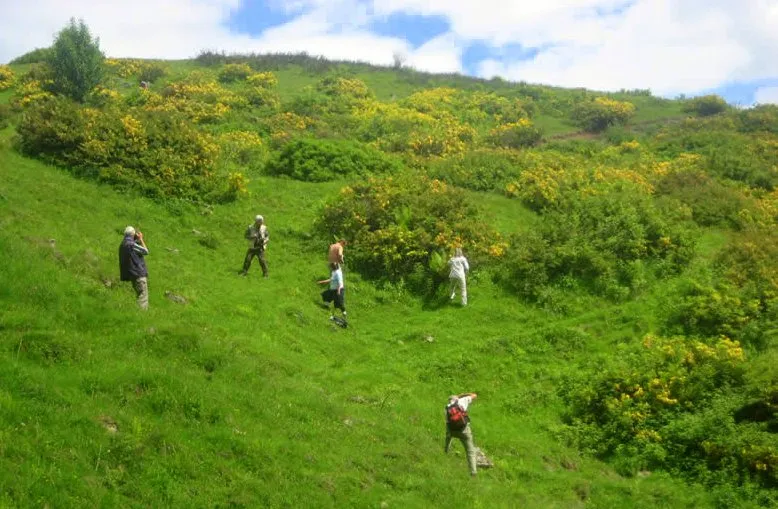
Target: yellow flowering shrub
640, 403
234, 72
124, 68
7, 77
32, 92
397, 129
395, 224
519, 134
344, 88
242, 148
199, 98
263, 80
157, 153
598, 114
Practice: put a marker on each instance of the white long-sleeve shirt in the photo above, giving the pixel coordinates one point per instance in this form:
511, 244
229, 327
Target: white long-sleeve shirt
459, 267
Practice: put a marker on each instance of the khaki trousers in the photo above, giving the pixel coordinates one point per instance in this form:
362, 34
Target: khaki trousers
466, 437
141, 286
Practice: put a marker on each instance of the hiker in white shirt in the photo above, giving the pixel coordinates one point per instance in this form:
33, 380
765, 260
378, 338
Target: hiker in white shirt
457, 274
458, 426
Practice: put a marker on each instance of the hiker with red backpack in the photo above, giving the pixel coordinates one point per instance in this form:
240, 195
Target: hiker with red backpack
458, 426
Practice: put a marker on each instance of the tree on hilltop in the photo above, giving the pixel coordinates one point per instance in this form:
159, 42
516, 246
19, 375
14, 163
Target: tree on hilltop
76, 61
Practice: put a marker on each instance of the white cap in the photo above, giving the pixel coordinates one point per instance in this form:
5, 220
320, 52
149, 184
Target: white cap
259, 218
129, 231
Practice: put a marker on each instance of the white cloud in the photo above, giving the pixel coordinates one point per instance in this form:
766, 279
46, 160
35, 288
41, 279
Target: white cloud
441, 55
766, 95
669, 46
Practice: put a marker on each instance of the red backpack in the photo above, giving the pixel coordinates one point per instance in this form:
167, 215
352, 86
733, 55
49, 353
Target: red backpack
456, 418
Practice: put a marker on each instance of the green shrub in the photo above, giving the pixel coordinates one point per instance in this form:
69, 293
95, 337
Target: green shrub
599, 114
76, 61
712, 202
396, 225
151, 72
761, 118
706, 105
479, 169
740, 300
263, 97
33, 57
6, 112
602, 241
234, 72
321, 160
520, 134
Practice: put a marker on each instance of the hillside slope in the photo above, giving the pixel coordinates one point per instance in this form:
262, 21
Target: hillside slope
247, 396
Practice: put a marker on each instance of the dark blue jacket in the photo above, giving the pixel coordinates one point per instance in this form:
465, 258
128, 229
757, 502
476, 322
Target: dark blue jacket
131, 262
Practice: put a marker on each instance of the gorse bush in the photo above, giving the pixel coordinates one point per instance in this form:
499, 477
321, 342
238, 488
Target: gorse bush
7, 77
663, 405
234, 72
76, 61
395, 224
321, 160
741, 300
706, 105
158, 153
599, 114
712, 202
480, 170
607, 243
762, 118
263, 80
519, 134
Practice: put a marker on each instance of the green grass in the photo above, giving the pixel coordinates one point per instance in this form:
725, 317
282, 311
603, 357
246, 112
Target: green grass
247, 396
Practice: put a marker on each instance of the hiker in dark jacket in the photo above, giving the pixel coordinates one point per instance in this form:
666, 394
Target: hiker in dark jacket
132, 266
458, 426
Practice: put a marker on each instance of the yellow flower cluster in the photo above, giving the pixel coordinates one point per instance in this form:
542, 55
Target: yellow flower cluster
409, 130
124, 68
620, 108
102, 95
7, 77
237, 185
263, 80
240, 146
348, 87
133, 129
202, 101
432, 101
31, 92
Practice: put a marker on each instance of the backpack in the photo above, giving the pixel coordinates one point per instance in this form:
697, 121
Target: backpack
456, 418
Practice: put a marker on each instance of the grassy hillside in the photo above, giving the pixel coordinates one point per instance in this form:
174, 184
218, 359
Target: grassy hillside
247, 396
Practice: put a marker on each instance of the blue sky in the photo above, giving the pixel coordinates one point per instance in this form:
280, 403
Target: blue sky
671, 47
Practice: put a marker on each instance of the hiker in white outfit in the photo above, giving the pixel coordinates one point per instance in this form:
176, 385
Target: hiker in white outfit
459, 268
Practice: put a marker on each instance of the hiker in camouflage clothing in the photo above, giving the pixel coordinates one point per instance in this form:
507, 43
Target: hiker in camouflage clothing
258, 238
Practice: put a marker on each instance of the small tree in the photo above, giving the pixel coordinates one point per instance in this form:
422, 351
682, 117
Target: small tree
76, 61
